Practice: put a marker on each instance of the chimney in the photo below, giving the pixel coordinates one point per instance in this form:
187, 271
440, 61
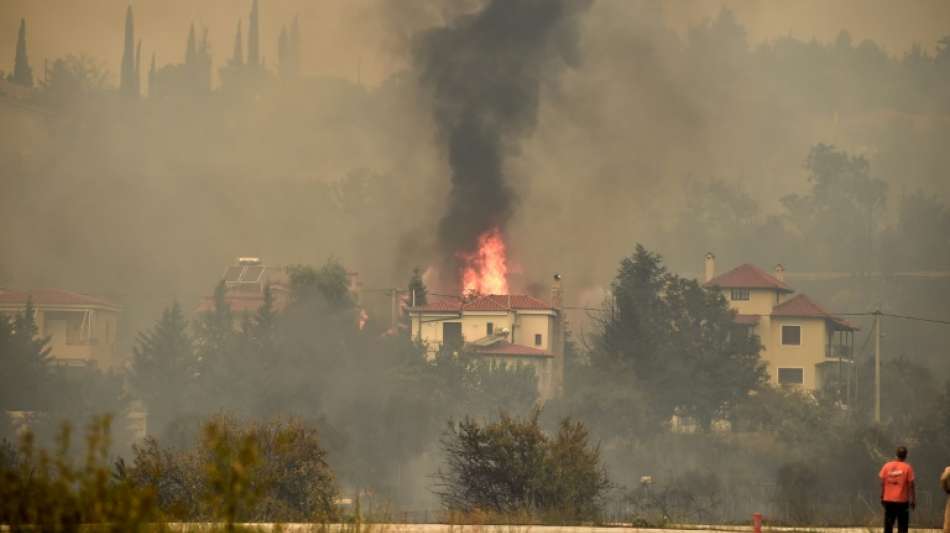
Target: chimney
780, 272
710, 267
556, 292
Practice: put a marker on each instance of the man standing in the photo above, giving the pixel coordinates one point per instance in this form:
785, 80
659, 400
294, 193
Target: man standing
945, 485
897, 492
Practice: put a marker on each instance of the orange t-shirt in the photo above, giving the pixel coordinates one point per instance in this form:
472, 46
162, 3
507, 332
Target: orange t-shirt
897, 477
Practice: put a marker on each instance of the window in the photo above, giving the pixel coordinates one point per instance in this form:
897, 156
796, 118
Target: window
452, 334
740, 294
489, 329
791, 376
791, 335
537, 339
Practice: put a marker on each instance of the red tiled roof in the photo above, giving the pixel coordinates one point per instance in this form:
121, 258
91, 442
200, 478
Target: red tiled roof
802, 306
747, 277
488, 302
507, 348
747, 320
52, 297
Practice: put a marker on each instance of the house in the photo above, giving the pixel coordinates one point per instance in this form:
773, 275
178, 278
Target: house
82, 329
506, 329
804, 345
244, 284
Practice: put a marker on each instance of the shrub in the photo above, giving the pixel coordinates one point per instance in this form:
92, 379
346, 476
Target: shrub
241, 471
48, 492
511, 467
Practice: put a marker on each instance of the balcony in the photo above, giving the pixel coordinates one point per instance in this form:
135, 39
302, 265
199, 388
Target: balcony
839, 351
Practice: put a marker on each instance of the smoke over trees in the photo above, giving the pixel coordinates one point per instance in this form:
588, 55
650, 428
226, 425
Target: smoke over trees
484, 74
578, 129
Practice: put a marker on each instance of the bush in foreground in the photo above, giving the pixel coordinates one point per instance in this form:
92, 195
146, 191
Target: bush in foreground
512, 468
273, 471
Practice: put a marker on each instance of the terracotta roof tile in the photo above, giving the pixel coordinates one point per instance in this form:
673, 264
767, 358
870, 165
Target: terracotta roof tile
52, 297
747, 277
803, 307
507, 348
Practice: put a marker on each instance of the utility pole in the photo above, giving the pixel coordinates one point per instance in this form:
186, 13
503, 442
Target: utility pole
877, 366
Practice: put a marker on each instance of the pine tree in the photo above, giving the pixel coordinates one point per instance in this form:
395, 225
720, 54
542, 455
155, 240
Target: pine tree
24, 362
164, 366
127, 73
253, 38
22, 73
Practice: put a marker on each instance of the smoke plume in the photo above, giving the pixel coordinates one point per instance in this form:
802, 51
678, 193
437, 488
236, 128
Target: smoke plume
483, 75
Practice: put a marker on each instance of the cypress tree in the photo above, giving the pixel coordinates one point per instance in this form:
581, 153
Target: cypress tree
191, 53
295, 45
22, 73
253, 35
151, 77
137, 82
237, 59
283, 55
127, 72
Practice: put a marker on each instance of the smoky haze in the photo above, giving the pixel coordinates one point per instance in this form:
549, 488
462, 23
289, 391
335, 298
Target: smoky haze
483, 76
411, 127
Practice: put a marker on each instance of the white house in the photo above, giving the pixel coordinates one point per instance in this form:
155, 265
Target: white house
504, 328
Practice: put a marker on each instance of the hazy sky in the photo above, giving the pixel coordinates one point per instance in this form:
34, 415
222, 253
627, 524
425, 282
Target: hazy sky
361, 38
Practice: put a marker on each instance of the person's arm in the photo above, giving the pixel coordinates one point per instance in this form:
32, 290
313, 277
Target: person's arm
913, 494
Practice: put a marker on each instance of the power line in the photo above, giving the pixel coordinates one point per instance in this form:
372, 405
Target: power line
918, 319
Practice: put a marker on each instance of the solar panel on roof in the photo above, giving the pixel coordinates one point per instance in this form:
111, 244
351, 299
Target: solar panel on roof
252, 274
233, 274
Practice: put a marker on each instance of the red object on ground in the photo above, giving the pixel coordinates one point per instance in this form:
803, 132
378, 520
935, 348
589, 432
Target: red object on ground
757, 522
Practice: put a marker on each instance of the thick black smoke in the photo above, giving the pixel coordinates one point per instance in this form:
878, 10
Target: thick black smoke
484, 73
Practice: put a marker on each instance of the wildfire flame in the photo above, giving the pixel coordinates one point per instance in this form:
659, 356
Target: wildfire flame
486, 271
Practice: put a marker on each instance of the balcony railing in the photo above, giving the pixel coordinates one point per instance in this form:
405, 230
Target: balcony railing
839, 351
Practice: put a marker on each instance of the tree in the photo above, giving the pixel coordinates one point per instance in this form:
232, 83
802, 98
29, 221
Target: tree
128, 71
839, 218
253, 38
22, 73
675, 341
511, 466
71, 81
164, 367
24, 362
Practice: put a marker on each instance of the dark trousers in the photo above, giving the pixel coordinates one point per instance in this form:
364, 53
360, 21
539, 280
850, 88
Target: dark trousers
896, 511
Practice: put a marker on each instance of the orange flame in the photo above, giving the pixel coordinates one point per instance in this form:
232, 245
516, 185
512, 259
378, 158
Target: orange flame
486, 271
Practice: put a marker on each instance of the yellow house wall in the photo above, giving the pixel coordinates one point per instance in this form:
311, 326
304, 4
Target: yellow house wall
524, 325
530, 325
760, 302
810, 352
101, 348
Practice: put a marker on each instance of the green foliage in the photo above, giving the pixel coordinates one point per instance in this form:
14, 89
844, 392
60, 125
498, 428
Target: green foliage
511, 466
49, 492
164, 367
24, 362
22, 73
240, 471
675, 341
843, 196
